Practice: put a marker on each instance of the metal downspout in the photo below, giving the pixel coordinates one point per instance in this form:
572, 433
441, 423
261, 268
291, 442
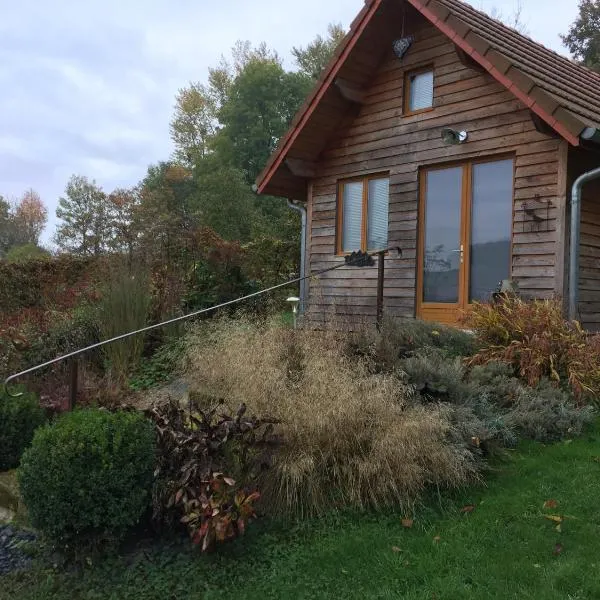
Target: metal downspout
575, 239
302, 210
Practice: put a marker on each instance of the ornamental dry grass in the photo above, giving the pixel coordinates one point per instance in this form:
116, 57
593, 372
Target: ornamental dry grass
350, 438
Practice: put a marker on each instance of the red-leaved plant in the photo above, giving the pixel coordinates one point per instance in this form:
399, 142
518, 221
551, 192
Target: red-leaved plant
534, 337
207, 466
220, 513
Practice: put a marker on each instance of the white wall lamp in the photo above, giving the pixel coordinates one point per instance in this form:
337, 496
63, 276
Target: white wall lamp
451, 137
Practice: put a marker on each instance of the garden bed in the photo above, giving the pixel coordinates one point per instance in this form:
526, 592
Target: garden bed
505, 547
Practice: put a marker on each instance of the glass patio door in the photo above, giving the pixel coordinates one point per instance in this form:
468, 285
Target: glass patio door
465, 217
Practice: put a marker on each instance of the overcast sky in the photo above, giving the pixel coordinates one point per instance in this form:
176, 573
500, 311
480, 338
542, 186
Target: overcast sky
87, 86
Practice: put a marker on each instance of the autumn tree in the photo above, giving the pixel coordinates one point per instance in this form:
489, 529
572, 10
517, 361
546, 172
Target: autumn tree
22, 222
84, 211
124, 206
313, 58
583, 37
514, 20
31, 217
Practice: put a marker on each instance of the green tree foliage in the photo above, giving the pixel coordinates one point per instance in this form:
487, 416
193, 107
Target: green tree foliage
263, 100
5, 226
583, 38
165, 216
224, 132
223, 200
313, 58
193, 123
26, 252
85, 214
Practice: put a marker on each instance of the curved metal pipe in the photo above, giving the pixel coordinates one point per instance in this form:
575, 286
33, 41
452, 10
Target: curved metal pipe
575, 239
302, 210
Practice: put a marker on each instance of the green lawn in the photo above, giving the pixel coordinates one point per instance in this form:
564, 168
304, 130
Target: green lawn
504, 549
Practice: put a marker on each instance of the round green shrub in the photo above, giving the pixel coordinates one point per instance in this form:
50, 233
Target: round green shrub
87, 478
19, 418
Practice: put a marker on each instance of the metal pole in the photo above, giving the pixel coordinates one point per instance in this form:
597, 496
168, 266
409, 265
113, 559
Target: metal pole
73, 381
575, 240
302, 210
380, 282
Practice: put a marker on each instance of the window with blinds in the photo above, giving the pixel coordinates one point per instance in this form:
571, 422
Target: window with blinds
363, 214
418, 91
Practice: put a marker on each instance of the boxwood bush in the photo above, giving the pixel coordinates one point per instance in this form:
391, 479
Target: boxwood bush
19, 418
87, 478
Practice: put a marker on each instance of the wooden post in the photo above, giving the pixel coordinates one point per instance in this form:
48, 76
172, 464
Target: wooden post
380, 282
73, 381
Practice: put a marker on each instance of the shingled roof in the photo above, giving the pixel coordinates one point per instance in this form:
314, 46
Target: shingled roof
563, 94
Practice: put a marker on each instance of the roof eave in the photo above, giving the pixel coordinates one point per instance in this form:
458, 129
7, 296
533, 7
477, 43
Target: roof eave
327, 79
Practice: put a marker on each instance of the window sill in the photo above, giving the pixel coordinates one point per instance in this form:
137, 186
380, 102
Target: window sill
412, 113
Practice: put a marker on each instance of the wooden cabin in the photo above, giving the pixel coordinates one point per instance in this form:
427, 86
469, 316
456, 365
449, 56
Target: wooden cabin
439, 130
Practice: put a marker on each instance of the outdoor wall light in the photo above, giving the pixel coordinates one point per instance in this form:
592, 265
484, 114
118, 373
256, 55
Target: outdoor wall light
294, 301
402, 46
453, 137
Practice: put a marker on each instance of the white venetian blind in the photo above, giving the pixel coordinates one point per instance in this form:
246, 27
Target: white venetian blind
421, 91
352, 216
378, 212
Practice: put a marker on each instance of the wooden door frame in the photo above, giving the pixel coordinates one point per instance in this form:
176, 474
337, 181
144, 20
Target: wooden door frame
466, 206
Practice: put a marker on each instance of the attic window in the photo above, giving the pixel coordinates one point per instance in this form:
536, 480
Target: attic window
418, 87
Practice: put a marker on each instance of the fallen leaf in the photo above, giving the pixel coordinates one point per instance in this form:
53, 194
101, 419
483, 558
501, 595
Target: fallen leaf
396, 549
557, 549
558, 528
596, 459
408, 523
344, 572
437, 539
550, 504
537, 566
467, 509
555, 518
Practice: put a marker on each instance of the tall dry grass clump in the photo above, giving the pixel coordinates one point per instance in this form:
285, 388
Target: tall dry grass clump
350, 437
124, 307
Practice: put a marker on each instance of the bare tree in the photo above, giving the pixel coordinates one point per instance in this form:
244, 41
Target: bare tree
514, 20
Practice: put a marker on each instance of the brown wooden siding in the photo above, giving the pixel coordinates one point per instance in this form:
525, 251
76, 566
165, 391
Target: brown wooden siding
380, 139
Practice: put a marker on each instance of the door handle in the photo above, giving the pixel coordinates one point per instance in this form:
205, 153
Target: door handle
462, 252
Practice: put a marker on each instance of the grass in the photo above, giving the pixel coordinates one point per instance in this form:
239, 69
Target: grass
504, 549
350, 436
